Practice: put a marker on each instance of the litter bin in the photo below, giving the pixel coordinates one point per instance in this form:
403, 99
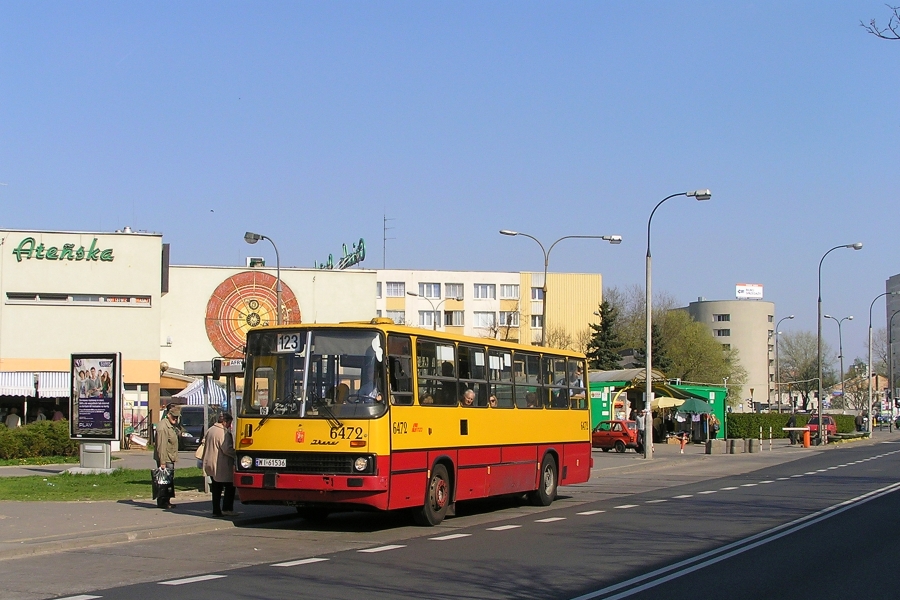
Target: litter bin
95, 455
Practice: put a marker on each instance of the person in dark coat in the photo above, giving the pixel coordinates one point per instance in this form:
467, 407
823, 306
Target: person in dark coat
792, 422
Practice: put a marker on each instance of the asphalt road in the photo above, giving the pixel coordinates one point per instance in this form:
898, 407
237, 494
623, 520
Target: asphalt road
763, 534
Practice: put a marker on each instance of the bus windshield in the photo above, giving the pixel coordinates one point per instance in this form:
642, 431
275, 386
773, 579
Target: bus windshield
312, 373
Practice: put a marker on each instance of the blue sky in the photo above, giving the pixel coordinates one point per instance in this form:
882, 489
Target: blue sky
309, 122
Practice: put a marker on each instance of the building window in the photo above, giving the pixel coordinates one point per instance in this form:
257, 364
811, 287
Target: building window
430, 290
509, 291
537, 321
378, 290
726, 346
453, 290
76, 299
509, 318
721, 332
486, 291
427, 318
453, 318
377, 313
396, 289
398, 316
537, 293
721, 317
771, 318
485, 319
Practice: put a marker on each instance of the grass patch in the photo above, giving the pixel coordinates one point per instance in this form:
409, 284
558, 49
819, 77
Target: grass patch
121, 484
40, 460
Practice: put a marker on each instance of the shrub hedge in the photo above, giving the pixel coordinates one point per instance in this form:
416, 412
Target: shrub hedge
42, 438
746, 425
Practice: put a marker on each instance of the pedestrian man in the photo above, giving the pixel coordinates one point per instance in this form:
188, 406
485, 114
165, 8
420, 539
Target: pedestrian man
792, 422
166, 452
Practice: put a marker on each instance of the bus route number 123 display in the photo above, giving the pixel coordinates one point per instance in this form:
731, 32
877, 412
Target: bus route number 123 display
289, 342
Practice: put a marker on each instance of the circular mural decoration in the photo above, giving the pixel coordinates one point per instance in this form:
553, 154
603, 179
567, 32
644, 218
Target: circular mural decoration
244, 301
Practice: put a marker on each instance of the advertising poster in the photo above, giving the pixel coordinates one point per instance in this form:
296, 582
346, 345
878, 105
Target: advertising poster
95, 400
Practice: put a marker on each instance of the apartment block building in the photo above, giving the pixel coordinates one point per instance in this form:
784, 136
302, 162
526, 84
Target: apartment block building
501, 305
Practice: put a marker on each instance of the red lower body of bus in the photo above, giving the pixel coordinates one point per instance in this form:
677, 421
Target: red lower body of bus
400, 480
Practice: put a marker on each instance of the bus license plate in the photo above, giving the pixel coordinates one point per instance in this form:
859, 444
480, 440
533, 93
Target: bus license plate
271, 462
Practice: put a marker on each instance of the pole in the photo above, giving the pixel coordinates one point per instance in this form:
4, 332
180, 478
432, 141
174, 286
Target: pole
891, 362
777, 365
856, 246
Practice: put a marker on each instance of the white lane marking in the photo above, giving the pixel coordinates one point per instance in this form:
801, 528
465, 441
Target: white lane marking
728, 489
550, 519
190, 579
708, 492
503, 527
810, 473
792, 476
768, 481
626, 506
452, 536
591, 512
684, 496
684, 567
302, 561
832, 468
821, 470
843, 465
382, 548
81, 597
749, 484
783, 478
655, 501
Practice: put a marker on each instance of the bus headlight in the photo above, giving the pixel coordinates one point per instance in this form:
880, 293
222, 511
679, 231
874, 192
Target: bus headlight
246, 462
361, 463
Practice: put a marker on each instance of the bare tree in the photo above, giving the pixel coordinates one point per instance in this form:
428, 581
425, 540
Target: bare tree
557, 337
798, 362
582, 340
855, 388
891, 31
880, 351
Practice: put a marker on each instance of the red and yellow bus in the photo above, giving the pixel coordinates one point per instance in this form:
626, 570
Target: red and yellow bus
383, 416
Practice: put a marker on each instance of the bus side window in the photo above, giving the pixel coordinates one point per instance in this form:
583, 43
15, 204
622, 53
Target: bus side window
437, 373
555, 374
400, 369
500, 376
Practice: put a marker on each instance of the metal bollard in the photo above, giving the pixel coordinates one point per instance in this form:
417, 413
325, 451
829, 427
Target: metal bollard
770, 439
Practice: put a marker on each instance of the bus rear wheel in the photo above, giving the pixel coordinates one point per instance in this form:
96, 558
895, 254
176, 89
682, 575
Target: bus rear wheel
546, 492
437, 498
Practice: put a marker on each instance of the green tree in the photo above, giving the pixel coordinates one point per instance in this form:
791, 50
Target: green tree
661, 360
603, 349
695, 355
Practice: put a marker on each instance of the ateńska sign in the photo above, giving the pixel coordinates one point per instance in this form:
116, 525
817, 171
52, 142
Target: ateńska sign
29, 248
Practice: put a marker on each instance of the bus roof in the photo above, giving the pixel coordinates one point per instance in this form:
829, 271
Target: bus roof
388, 326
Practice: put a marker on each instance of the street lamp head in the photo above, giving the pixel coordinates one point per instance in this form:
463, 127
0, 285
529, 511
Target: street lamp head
412, 294
791, 317
508, 232
850, 318
828, 316
252, 238
613, 239
856, 246
700, 194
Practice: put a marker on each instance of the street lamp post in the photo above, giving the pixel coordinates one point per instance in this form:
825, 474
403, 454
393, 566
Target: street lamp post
777, 366
612, 239
856, 246
648, 420
252, 238
840, 345
869, 365
434, 307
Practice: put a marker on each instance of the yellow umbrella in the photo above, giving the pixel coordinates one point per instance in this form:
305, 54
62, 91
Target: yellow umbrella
665, 402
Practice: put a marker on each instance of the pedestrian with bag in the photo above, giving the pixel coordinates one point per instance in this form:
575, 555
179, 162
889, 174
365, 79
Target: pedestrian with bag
165, 452
218, 463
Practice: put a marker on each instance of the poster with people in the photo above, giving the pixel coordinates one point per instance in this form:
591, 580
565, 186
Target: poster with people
96, 394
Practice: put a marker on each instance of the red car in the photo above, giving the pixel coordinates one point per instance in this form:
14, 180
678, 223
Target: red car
619, 435
828, 422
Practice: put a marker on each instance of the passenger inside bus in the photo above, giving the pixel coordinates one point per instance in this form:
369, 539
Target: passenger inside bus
468, 398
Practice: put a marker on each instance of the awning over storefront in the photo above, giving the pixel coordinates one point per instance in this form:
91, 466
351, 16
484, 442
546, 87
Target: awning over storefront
50, 384
193, 394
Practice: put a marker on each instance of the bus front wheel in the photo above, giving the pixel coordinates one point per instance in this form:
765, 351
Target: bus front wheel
546, 492
437, 498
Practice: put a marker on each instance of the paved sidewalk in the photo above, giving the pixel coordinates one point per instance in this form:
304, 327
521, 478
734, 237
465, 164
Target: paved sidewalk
30, 528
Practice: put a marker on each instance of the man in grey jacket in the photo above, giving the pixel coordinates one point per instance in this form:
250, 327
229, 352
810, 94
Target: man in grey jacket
166, 450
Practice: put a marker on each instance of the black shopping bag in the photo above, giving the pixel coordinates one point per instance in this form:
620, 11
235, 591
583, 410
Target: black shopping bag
162, 479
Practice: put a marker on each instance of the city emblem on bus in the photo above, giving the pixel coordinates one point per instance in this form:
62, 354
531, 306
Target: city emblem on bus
416, 428
300, 436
